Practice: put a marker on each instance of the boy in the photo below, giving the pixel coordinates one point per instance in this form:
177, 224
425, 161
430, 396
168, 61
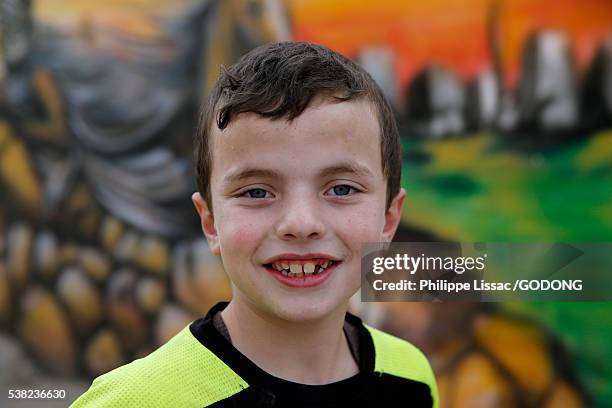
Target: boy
298, 164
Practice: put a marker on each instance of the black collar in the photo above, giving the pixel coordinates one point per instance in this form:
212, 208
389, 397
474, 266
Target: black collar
204, 330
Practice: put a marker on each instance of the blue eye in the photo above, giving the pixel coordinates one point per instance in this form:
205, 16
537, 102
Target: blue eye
342, 189
256, 193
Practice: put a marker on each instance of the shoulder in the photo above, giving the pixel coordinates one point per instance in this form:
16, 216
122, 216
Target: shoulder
397, 357
182, 372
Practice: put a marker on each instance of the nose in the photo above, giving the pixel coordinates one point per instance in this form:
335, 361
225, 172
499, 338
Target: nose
301, 219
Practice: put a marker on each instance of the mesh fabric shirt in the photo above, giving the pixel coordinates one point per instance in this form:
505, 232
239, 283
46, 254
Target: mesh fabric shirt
199, 367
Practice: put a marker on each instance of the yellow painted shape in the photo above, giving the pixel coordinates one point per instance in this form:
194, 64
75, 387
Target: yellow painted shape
477, 383
54, 128
57, 10
598, 152
520, 348
470, 155
16, 171
452, 154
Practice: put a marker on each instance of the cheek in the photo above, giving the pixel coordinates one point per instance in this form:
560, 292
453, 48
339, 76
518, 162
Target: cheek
364, 226
239, 233
239, 241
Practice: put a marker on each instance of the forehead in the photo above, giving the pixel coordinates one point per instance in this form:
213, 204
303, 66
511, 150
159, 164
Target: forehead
326, 133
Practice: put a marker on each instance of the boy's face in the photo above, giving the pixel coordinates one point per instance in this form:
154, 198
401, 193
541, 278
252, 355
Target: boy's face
298, 195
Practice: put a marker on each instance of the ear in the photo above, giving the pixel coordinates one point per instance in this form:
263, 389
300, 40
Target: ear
208, 223
393, 215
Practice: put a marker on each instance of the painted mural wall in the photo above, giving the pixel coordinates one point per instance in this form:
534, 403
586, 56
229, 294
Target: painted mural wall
505, 110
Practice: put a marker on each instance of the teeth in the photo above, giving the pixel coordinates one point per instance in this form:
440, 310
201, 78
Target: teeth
309, 268
299, 270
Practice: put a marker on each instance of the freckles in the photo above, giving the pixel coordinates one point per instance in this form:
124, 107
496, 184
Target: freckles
237, 228
246, 236
359, 231
365, 225
242, 236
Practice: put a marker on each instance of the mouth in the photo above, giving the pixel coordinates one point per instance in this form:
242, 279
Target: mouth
303, 272
301, 268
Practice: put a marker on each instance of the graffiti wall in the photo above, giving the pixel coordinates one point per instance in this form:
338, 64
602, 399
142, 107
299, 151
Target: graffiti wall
505, 115
505, 111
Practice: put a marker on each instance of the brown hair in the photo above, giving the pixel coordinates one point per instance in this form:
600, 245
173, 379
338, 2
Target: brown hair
279, 81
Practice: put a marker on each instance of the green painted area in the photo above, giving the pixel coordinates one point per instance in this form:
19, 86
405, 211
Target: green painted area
476, 189
482, 188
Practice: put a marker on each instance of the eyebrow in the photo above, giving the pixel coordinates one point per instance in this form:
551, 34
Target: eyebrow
341, 168
348, 167
248, 173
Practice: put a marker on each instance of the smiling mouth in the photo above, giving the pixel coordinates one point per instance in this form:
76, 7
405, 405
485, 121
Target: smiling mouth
300, 269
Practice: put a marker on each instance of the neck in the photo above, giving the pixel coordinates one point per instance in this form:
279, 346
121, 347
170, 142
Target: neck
313, 352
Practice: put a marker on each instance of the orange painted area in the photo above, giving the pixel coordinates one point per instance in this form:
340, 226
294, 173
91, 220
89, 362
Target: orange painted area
585, 23
450, 33
57, 9
137, 18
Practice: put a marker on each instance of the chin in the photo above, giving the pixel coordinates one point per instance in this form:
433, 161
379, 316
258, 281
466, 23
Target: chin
308, 310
